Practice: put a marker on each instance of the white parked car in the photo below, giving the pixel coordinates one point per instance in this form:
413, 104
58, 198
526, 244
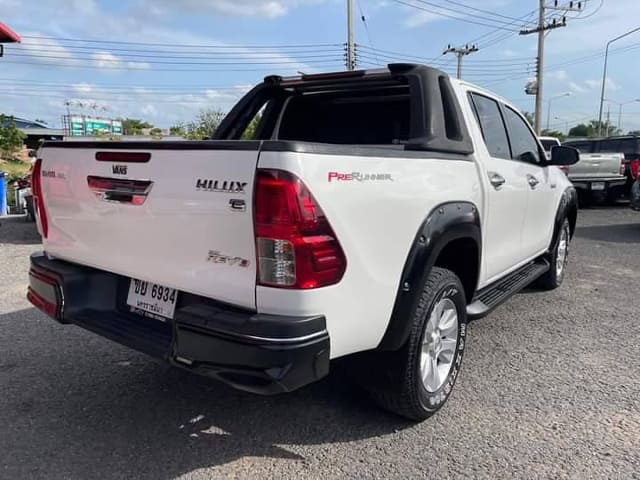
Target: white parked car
548, 143
375, 213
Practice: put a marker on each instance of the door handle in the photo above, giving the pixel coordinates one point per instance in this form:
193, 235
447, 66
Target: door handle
533, 181
496, 180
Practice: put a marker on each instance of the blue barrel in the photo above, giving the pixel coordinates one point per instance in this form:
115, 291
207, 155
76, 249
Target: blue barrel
3, 195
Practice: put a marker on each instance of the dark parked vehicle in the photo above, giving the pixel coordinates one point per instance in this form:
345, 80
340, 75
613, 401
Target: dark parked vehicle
630, 146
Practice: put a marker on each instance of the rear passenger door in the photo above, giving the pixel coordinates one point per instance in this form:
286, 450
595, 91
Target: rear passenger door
506, 192
541, 201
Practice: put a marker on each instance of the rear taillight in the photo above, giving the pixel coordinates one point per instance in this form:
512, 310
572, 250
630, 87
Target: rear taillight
296, 246
44, 293
635, 167
38, 199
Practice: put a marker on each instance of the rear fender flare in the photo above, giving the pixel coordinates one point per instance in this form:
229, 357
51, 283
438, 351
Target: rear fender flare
445, 223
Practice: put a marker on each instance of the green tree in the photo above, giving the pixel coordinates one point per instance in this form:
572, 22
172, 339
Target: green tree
250, 131
608, 129
205, 124
177, 129
134, 126
155, 132
582, 130
553, 133
11, 139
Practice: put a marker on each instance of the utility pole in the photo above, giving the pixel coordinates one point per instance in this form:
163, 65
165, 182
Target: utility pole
542, 27
460, 52
539, 68
351, 48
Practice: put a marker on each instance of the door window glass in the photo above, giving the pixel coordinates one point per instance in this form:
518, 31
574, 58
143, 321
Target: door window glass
493, 130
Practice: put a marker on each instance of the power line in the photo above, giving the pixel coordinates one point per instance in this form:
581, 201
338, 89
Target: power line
496, 70
151, 60
117, 60
181, 45
19, 82
469, 7
364, 22
579, 60
580, 17
464, 13
389, 53
82, 48
461, 19
142, 69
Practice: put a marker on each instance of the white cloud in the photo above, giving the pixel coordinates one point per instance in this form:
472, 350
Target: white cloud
82, 87
420, 18
246, 8
106, 60
139, 65
45, 50
509, 53
576, 87
592, 83
149, 109
215, 94
611, 86
559, 75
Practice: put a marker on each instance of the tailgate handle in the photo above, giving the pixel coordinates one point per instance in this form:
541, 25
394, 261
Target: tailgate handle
119, 190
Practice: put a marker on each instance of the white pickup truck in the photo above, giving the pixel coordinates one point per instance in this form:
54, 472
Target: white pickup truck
374, 213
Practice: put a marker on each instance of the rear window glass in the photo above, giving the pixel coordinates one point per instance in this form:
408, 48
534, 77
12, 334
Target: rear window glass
368, 118
620, 145
582, 147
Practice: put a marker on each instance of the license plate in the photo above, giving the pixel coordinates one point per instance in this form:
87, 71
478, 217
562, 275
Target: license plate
151, 300
597, 186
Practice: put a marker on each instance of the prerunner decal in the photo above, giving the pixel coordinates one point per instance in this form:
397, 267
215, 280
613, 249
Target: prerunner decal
359, 177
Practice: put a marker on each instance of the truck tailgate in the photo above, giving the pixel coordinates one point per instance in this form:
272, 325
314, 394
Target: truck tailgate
182, 219
596, 165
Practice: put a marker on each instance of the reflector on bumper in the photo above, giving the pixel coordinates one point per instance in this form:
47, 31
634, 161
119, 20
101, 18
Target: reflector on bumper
44, 293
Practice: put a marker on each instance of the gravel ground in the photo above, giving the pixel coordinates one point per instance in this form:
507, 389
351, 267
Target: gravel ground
550, 389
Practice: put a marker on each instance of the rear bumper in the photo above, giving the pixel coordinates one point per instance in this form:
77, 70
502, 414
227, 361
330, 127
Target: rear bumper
586, 183
255, 352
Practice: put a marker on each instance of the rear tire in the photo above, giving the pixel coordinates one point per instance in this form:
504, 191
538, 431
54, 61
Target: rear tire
416, 380
558, 258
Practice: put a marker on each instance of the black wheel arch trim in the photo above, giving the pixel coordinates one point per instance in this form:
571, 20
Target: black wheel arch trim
567, 208
445, 223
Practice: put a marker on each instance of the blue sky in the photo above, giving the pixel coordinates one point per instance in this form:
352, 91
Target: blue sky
234, 43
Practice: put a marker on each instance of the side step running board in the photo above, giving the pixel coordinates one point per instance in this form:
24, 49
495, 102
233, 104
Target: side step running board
493, 295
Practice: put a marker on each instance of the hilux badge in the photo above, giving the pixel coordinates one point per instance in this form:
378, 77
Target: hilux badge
228, 186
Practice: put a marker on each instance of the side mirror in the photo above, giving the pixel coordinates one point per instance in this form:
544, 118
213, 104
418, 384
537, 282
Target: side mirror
562, 156
32, 153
